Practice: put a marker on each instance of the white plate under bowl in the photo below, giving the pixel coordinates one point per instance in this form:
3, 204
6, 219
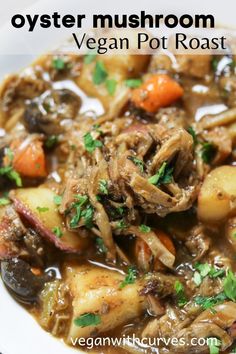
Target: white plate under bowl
19, 332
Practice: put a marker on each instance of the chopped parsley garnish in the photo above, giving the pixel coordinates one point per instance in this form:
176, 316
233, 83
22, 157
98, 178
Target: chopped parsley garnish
51, 141
83, 209
103, 186
210, 301
214, 63
121, 225
137, 162
163, 176
179, 290
111, 86
10, 173
197, 278
10, 154
87, 215
230, 286
120, 210
58, 64
87, 319
208, 152
133, 83
4, 201
101, 246
90, 143
57, 199
130, 277
99, 74
192, 132
90, 57
42, 209
205, 269
144, 228
99, 198
214, 345
57, 231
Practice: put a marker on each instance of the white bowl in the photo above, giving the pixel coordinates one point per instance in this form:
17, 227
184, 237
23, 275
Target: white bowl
19, 332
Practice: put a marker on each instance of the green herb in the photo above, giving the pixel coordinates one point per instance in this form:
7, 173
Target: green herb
87, 319
233, 350
81, 200
208, 152
57, 199
111, 86
90, 57
230, 286
4, 201
47, 106
144, 228
163, 176
234, 235
100, 73
11, 174
197, 278
214, 63
42, 209
87, 214
90, 143
99, 198
208, 302
206, 269
83, 209
51, 141
57, 231
192, 132
216, 273
121, 225
130, 277
58, 64
133, 83
120, 210
137, 162
101, 246
214, 345
179, 289
103, 186
9, 153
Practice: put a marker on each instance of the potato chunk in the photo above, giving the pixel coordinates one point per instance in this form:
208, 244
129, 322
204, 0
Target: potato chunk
96, 290
217, 197
37, 206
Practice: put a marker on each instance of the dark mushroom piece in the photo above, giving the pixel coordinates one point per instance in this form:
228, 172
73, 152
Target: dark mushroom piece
46, 113
22, 283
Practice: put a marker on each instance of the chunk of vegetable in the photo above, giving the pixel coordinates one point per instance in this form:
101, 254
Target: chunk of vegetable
158, 91
96, 291
27, 202
29, 159
217, 197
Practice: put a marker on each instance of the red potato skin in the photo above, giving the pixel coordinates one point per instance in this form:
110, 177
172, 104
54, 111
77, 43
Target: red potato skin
43, 231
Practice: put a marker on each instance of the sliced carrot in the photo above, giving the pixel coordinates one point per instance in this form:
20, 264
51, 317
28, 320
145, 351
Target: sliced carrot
160, 90
29, 160
144, 253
